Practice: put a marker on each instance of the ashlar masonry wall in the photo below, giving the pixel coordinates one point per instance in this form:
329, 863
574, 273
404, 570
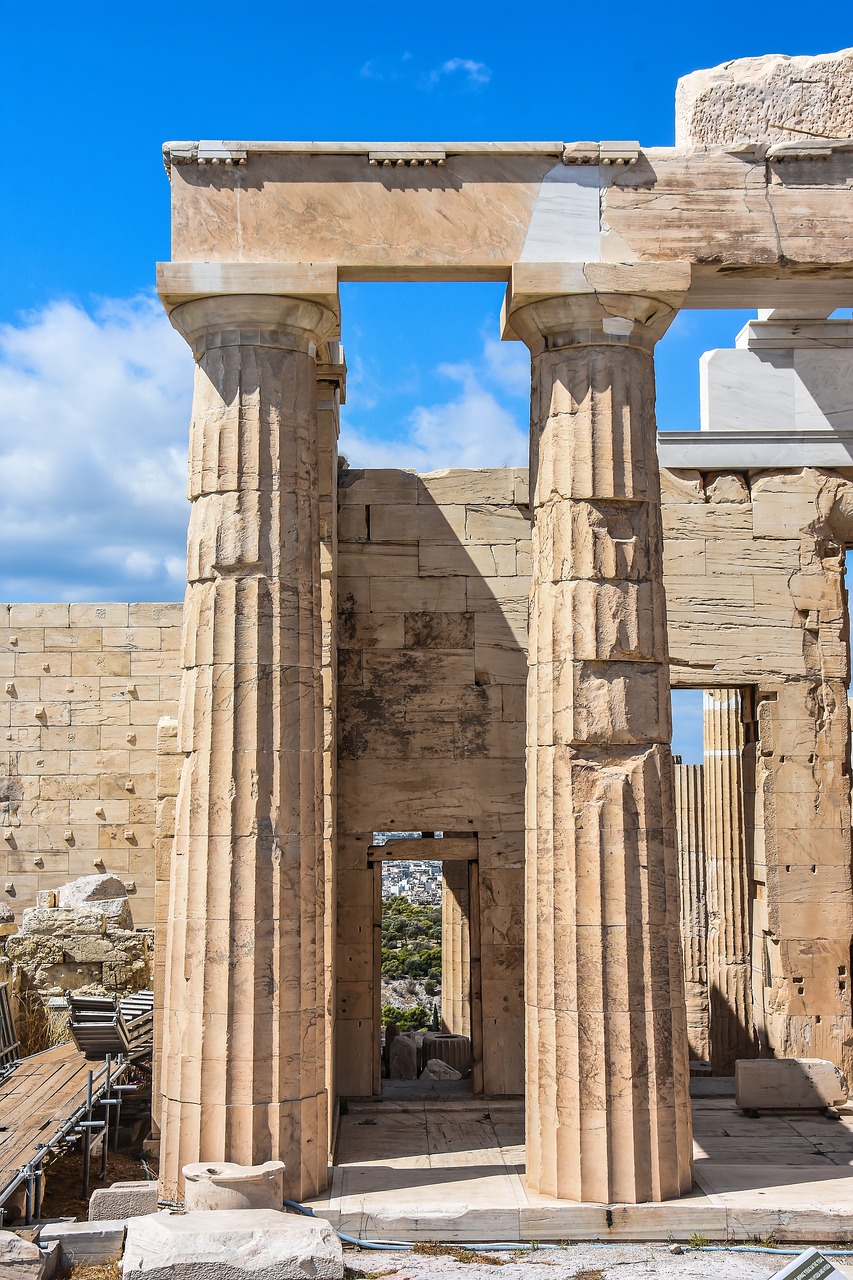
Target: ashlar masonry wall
82, 687
433, 577
757, 602
432, 631
432, 585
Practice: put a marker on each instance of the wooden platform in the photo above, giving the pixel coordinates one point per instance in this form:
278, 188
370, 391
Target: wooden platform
35, 1101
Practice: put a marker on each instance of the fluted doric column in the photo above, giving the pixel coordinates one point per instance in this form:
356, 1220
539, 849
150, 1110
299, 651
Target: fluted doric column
729, 932
690, 827
608, 1112
243, 1074
455, 949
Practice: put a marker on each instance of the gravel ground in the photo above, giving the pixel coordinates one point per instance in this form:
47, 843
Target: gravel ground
575, 1262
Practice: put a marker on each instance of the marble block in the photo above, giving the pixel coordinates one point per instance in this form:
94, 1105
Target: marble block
792, 377
764, 1084
774, 98
237, 1244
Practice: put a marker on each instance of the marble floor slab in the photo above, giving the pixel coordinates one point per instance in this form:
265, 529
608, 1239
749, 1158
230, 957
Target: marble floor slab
453, 1169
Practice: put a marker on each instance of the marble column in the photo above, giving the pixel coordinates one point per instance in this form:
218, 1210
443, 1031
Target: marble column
243, 1072
455, 949
729, 963
331, 394
690, 827
607, 1105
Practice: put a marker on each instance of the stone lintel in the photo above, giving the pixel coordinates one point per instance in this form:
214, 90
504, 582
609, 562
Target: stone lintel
179, 282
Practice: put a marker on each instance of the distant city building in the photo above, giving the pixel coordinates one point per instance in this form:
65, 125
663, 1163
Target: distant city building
419, 881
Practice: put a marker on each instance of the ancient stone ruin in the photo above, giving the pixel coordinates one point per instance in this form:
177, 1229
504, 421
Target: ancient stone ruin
485, 654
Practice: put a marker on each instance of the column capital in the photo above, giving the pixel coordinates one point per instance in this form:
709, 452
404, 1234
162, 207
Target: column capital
553, 305
259, 320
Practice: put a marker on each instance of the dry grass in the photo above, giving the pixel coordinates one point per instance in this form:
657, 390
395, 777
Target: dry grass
92, 1271
39, 1027
435, 1249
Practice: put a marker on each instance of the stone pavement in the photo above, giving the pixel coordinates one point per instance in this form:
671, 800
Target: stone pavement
579, 1262
453, 1171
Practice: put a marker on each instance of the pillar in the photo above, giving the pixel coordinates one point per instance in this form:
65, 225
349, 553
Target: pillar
331, 394
607, 1102
243, 1072
455, 949
690, 828
729, 970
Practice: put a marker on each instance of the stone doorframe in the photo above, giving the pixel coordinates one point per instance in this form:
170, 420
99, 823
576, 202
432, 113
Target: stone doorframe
459, 849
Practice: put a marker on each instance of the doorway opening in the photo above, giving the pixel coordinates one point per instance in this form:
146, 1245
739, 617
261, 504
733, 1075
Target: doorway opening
427, 1019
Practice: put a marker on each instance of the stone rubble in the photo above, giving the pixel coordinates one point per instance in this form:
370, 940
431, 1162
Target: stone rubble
85, 943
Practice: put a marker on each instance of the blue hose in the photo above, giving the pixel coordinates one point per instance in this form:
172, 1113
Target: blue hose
521, 1246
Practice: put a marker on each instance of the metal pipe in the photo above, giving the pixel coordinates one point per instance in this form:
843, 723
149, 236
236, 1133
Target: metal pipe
106, 1101
87, 1138
95, 1088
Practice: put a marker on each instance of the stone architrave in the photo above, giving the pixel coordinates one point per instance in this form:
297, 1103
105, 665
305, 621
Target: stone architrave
243, 1062
608, 1111
728, 889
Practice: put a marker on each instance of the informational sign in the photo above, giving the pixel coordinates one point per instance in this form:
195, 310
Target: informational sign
810, 1265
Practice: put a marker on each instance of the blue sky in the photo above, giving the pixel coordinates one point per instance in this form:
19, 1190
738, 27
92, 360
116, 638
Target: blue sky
94, 386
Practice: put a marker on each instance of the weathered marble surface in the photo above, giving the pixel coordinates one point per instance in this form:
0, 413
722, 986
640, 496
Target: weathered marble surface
244, 1074
782, 376
481, 213
606, 1088
767, 99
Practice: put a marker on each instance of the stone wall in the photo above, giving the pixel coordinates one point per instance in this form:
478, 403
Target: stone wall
757, 601
432, 630
432, 626
432, 583
82, 687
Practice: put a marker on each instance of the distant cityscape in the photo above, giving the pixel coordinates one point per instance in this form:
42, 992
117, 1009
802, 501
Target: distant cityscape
419, 881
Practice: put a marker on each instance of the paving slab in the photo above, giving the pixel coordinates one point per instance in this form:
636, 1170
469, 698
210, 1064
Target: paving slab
581, 1262
425, 1170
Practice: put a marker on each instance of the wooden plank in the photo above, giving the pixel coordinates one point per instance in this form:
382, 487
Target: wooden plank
39, 1096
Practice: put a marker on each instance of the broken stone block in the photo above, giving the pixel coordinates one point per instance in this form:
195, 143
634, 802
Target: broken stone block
226, 1185
105, 892
33, 951
86, 889
80, 1243
123, 1200
21, 1259
7, 920
788, 1084
62, 922
260, 1244
435, 1069
772, 98
403, 1058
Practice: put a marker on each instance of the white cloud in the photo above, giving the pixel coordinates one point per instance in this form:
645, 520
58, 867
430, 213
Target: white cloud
383, 69
94, 411
475, 74
508, 365
465, 71
471, 429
